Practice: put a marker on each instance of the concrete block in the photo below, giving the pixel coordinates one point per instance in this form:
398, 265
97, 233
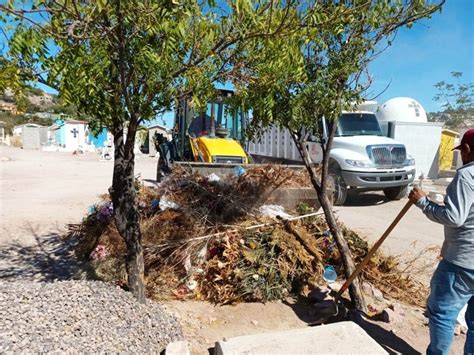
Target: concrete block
337, 338
291, 197
177, 348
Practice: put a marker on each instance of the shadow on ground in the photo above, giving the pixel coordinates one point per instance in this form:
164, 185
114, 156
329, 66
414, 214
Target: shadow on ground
362, 199
387, 339
47, 257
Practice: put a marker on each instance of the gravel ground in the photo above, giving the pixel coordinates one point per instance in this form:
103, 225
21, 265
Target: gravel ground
80, 316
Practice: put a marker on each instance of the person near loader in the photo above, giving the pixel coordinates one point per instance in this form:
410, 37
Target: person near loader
452, 284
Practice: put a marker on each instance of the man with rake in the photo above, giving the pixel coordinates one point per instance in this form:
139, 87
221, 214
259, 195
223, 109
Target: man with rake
452, 284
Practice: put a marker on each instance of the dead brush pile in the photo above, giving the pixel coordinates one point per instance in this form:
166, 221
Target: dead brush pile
205, 239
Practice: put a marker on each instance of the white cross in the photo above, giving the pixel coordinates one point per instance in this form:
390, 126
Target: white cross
416, 106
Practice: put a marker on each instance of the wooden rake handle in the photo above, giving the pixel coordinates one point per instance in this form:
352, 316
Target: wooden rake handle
372, 251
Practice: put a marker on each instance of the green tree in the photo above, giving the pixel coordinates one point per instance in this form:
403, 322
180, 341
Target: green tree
457, 101
9, 75
325, 73
11, 121
42, 121
123, 62
70, 110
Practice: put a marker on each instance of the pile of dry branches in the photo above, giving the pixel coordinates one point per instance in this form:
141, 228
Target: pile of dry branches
205, 239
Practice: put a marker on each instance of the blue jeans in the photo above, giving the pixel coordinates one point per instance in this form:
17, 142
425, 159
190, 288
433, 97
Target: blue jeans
452, 287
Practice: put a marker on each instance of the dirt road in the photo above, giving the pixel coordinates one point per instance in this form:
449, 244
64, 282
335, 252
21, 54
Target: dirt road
370, 214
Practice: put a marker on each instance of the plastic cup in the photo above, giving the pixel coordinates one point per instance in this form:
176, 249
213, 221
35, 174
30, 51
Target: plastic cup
329, 274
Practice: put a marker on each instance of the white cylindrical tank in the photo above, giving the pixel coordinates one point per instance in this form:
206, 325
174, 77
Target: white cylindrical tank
400, 109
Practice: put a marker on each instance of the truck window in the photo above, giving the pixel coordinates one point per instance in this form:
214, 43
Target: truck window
229, 118
200, 124
358, 124
224, 117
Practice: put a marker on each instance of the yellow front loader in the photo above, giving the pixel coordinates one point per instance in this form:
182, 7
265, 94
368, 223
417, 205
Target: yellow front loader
206, 142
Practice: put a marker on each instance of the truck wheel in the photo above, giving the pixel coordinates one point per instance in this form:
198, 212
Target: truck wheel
396, 193
339, 188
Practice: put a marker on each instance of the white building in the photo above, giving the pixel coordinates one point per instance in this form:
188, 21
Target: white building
69, 135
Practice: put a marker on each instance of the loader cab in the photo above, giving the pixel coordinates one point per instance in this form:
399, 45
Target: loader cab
219, 129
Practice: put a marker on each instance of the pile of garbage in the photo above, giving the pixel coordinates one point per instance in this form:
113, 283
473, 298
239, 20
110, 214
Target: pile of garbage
215, 239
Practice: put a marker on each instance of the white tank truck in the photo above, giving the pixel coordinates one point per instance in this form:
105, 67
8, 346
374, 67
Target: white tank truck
362, 157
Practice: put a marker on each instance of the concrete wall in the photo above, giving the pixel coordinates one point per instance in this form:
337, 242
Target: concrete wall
43, 132
422, 141
30, 138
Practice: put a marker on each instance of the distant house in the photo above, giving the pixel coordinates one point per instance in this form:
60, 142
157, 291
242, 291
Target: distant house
70, 135
9, 107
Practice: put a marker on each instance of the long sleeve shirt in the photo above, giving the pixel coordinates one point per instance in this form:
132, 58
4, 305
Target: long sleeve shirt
457, 216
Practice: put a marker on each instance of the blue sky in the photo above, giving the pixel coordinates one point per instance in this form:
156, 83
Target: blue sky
426, 54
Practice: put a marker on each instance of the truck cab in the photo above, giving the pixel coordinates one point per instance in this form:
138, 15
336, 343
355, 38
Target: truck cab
362, 158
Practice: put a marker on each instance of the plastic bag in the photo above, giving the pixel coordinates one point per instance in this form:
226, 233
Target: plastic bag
273, 211
165, 203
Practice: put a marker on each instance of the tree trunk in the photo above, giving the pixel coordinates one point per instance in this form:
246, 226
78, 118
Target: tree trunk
125, 205
355, 288
321, 189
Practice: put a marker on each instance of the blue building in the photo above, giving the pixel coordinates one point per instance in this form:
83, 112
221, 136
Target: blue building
100, 140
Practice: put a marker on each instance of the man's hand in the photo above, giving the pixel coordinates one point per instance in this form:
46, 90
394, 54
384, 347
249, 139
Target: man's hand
416, 194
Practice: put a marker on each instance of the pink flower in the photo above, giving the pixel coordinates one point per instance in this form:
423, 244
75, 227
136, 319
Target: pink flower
99, 253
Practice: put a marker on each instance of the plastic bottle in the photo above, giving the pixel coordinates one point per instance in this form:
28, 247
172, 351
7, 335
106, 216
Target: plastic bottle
239, 170
329, 274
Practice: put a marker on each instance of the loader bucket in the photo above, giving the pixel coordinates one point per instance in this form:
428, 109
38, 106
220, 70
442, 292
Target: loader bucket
221, 169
